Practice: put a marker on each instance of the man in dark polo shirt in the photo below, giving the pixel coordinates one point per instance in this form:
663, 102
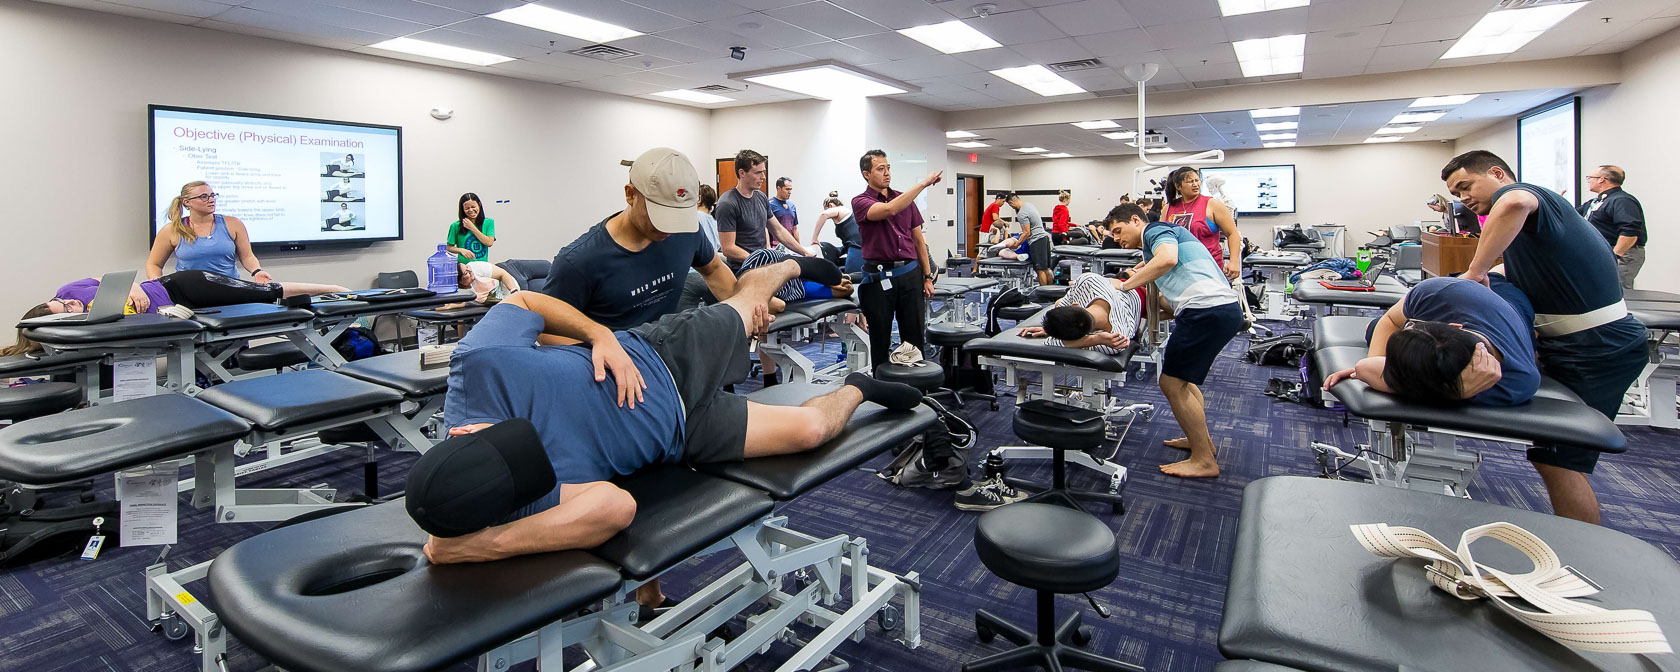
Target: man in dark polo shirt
894, 250
1619, 218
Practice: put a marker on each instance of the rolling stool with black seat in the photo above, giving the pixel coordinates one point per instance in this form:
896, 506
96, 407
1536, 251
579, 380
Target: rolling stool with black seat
926, 376
1059, 428
963, 377
1047, 294
1054, 551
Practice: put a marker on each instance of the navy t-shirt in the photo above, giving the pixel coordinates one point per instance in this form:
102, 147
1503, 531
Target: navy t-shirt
1502, 314
622, 289
1559, 260
498, 372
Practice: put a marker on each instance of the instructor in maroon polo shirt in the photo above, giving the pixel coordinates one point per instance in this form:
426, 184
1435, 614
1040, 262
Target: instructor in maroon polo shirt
895, 252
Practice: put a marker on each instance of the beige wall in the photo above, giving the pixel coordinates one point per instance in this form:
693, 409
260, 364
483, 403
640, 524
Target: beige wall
553, 151
1364, 187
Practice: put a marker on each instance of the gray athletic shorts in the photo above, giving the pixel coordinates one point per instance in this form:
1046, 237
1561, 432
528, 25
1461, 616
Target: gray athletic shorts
706, 349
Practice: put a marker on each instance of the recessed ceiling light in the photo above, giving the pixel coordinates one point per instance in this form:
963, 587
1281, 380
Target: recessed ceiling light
563, 23
1278, 126
1040, 80
1275, 112
1096, 125
1505, 31
1279, 55
1384, 138
1159, 150
1030, 150
1277, 136
1416, 117
828, 82
970, 144
1397, 130
1443, 101
1058, 155
961, 134
692, 96
951, 37
1120, 135
1235, 7
1280, 144
440, 51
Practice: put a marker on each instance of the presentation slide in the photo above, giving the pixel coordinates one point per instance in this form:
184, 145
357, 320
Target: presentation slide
1254, 190
1546, 149
290, 180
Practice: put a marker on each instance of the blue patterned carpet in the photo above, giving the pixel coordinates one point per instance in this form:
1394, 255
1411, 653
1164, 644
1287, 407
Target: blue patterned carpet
1176, 541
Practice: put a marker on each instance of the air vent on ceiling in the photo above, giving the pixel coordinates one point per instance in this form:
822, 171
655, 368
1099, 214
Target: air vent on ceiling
1525, 4
716, 88
1070, 66
602, 52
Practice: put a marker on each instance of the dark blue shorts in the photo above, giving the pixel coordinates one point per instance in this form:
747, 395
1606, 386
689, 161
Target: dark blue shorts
1598, 365
1198, 335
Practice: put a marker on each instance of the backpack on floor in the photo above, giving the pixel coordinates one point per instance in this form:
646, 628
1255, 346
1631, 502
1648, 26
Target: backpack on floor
1280, 350
958, 431
357, 343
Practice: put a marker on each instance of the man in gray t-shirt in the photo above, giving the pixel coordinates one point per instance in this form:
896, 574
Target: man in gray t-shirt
1038, 238
744, 220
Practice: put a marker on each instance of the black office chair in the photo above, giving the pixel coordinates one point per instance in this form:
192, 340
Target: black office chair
395, 280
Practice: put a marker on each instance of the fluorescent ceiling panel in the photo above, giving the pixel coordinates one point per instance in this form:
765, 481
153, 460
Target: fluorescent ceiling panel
1277, 136
1384, 138
1416, 117
1281, 55
563, 23
1096, 125
445, 52
960, 134
1275, 112
1277, 126
693, 96
951, 37
1443, 101
827, 82
1236, 7
1280, 144
1120, 135
1159, 150
1397, 130
1058, 155
970, 145
1505, 31
1030, 150
1039, 79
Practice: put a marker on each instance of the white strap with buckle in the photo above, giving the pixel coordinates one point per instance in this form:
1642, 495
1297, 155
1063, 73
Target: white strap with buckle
1574, 624
1552, 326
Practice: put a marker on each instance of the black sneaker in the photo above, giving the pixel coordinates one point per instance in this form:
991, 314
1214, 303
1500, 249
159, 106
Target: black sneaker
915, 475
987, 495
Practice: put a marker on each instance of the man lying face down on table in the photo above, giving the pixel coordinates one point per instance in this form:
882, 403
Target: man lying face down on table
537, 431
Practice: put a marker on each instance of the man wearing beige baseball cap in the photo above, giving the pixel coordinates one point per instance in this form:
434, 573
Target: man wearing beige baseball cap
629, 269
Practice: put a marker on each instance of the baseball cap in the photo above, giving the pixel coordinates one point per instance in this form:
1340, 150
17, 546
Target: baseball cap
474, 481
666, 178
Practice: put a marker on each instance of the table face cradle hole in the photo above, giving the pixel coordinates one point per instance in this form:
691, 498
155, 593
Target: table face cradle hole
342, 577
70, 433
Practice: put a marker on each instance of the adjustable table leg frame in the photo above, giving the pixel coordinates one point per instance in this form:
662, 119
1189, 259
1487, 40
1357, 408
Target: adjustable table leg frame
800, 369
172, 610
680, 638
1393, 459
1651, 400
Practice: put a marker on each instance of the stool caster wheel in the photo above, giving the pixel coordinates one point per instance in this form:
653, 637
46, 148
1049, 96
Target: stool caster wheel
985, 634
174, 628
887, 618
1082, 635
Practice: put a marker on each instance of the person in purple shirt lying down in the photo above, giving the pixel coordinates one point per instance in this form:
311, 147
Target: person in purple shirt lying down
193, 289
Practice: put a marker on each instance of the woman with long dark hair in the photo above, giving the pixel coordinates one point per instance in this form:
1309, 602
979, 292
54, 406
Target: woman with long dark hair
1206, 217
472, 234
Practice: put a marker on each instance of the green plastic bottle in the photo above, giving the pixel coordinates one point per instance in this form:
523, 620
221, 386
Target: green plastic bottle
1363, 261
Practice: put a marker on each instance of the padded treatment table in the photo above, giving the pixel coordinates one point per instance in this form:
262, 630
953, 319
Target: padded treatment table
1275, 266
1651, 401
228, 328
1339, 331
802, 320
1387, 292
424, 388
80, 444
365, 598
953, 292
1650, 296
464, 316
142, 335
334, 316
1554, 417
1305, 594
83, 365
1009, 272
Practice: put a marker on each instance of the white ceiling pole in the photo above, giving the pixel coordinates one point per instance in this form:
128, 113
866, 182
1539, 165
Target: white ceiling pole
1141, 73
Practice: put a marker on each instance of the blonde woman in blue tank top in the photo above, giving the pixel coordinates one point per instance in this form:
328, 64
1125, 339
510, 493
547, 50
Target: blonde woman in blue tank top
203, 240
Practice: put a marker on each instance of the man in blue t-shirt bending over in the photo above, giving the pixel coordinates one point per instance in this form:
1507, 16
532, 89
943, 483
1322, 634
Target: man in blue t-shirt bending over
466, 495
1586, 338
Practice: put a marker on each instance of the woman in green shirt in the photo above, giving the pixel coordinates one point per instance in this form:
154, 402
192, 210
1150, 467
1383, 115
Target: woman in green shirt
471, 236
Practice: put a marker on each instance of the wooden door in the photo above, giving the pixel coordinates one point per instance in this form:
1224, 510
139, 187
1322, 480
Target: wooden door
969, 191
726, 174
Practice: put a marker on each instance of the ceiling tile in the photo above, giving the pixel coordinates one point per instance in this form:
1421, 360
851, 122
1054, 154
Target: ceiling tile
766, 29
1208, 54
292, 24
477, 6
701, 10
455, 38
1419, 54
1187, 34
548, 73
993, 59
1338, 63
892, 46
922, 67
1202, 73
1017, 27
840, 51
515, 33
242, 29
1128, 42
1089, 17
1159, 12
1432, 30
761, 5
667, 82
1351, 14
316, 12
591, 66
1607, 48
1345, 39
408, 10
937, 85
1447, 63
1648, 29
1421, 10
1266, 24
1053, 51
654, 45
1099, 79
964, 10
828, 20
706, 37
619, 12
1530, 52
195, 8
895, 14
618, 85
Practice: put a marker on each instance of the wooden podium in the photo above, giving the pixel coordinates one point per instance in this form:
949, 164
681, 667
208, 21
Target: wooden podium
1447, 255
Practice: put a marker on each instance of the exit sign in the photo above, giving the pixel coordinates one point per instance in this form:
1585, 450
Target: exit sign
973, 157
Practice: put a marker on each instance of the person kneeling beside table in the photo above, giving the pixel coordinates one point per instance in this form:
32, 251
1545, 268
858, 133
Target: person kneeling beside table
481, 505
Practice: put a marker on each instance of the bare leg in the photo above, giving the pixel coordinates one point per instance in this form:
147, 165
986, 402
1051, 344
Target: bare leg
1183, 443
310, 288
755, 288
1187, 408
781, 430
1572, 495
587, 515
1044, 277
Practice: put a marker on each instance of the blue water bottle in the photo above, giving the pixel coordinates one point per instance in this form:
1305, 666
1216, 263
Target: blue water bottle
441, 275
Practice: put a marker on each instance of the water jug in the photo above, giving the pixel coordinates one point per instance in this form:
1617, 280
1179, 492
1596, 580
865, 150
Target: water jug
441, 274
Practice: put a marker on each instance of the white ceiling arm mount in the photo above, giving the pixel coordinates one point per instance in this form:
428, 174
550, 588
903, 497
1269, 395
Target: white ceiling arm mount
1141, 73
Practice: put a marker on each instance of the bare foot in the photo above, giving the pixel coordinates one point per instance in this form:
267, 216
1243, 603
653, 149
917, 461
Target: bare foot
1181, 443
1191, 469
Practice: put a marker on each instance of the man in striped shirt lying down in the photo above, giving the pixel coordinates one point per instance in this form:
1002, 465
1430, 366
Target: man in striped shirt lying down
1095, 314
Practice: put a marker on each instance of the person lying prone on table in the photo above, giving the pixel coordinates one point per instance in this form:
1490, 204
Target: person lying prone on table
540, 483
1453, 341
1095, 313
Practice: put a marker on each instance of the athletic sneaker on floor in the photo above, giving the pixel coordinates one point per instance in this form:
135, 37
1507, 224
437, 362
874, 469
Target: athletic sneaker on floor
917, 475
988, 495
